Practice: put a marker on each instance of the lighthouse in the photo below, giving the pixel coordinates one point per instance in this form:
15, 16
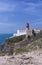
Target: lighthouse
27, 29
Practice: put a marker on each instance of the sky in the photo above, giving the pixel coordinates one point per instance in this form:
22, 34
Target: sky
15, 13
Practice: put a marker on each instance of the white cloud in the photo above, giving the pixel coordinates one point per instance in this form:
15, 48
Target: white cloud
7, 7
8, 25
32, 7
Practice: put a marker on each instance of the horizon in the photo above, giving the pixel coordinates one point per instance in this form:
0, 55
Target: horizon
15, 13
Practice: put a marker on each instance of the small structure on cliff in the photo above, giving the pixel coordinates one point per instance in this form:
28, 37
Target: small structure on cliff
20, 32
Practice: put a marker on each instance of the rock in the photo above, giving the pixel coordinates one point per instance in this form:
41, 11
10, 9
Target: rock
28, 58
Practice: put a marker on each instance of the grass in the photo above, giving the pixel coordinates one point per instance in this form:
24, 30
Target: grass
34, 44
16, 39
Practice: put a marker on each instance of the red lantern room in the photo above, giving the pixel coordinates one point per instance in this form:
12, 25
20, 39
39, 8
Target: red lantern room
27, 25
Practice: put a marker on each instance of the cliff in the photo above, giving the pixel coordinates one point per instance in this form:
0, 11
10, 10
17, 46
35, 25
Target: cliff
22, 44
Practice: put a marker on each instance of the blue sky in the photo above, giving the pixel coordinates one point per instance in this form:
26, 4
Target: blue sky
15, 13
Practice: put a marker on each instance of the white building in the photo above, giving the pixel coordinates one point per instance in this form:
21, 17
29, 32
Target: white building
37, 30
23, 32
20, 32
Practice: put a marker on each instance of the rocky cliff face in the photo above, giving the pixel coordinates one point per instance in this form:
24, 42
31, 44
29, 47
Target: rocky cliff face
28, 51
10, 44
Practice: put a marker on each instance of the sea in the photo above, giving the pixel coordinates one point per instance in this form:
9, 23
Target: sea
3, 37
